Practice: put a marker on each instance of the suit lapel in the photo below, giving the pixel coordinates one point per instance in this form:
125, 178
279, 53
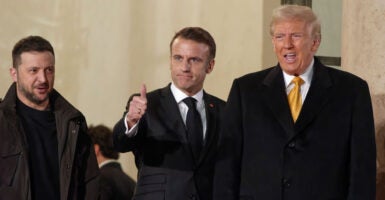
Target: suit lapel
276, 99
318, 95
211, 124
170, 114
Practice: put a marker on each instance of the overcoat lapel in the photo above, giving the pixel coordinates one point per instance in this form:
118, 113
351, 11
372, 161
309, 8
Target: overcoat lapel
276, 99
318, 95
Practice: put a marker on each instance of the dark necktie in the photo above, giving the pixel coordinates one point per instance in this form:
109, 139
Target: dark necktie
194, 126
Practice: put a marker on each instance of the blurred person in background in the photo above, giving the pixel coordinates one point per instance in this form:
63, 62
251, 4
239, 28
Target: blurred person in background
114, 183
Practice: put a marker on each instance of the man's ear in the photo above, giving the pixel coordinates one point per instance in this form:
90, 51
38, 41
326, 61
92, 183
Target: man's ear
13, 73
210, 66
97, 149
316, 44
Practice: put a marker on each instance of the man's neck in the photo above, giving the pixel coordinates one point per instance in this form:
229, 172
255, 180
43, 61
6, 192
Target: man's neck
43, 106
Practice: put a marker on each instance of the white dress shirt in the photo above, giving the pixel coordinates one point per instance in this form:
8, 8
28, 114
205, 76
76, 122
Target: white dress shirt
200, 105
306, 77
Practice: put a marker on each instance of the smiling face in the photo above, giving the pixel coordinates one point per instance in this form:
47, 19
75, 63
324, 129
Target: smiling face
34, 78
190, 62
294, 45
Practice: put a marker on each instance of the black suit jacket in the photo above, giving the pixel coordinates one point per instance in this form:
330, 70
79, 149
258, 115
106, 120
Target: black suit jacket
114, 183
168, 169
329, 153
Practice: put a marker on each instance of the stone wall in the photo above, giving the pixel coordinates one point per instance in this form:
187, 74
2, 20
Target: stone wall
363, 53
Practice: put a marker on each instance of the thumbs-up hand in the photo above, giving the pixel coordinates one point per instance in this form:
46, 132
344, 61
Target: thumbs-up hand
138, 107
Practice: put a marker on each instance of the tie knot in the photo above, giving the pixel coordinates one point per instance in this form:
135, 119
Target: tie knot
297, 80
190, 102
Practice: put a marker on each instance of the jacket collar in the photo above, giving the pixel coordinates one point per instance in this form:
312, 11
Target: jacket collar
58, 103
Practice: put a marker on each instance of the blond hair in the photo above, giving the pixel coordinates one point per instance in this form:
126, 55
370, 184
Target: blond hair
296, 12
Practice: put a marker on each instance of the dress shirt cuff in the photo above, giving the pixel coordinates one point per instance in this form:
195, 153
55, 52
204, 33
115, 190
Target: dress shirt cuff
130, 132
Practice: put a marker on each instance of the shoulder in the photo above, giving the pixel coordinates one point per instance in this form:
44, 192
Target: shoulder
9, 100
160, 96
256, 80
214, 99
165, 91
338, 76
63, 106
344, 79
258, 77
113, 171
344, 75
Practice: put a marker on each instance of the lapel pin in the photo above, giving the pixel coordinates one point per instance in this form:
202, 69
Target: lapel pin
211, 105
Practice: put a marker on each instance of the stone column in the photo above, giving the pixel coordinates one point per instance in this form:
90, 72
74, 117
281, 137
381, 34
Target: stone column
363, 54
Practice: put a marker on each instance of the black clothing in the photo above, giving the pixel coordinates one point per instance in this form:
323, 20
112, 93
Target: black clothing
115, 184
40, 129
78, 169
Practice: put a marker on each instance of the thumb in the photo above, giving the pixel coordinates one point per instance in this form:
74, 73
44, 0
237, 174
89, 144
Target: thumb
143, 91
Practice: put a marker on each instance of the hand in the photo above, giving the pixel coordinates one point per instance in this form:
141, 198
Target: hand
138, 107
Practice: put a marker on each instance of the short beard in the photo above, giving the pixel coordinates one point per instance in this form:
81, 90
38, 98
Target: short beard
31, 97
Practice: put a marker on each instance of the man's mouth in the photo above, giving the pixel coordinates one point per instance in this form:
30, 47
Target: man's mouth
42, 88
290, 57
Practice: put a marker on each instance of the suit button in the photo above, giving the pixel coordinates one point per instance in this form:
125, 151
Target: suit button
286, 183
291, 145
193, 197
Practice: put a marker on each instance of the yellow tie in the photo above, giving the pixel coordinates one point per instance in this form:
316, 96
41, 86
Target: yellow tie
294, 98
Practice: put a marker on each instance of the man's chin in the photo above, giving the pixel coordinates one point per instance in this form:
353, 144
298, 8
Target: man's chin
39, 99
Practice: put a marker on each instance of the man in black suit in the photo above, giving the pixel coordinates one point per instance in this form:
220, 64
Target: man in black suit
114, 183
321, 148
176, 158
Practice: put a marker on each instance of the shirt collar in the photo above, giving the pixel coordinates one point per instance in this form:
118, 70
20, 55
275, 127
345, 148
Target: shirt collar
306, 76
179, 95
107, 162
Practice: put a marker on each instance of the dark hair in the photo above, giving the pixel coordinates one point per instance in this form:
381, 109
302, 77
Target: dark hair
102, 136
28, 44
199, 35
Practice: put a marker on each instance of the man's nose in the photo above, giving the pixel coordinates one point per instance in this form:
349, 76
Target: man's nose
288, 42
42, 76
186, 65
